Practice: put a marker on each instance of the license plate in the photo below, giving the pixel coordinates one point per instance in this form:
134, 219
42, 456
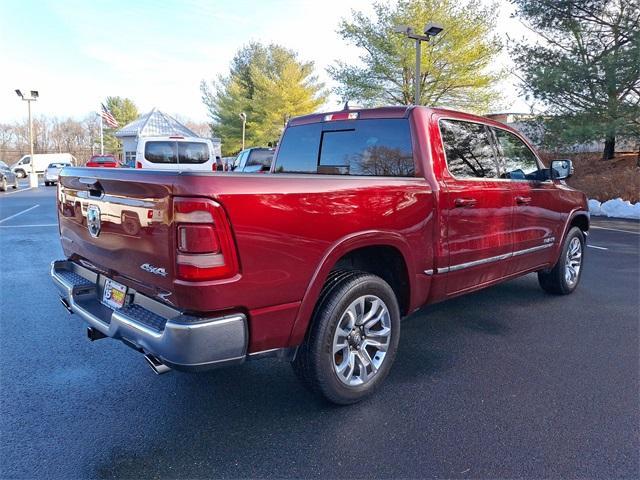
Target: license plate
114, 294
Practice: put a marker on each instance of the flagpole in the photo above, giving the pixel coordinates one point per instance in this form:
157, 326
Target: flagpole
101, 138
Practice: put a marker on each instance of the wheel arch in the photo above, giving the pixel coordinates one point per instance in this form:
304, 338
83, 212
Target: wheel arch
577, 218
351, 252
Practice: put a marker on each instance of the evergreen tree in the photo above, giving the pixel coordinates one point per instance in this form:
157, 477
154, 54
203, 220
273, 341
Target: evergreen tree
124, 111
269, 84
585, 68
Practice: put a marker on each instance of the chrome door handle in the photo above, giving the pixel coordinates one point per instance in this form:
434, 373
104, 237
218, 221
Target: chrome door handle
464, 202
523, 200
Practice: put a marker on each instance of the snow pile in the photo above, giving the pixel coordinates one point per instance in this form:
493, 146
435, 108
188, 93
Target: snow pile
617, 208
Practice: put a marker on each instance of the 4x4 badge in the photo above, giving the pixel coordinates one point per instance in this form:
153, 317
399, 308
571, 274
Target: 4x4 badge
93, 220
147, 267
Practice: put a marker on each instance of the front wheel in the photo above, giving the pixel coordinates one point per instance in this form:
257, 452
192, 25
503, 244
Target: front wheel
353, 338
564, 277
3, 185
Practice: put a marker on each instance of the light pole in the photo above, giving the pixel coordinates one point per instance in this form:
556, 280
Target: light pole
243, 116
32, 97
430, 30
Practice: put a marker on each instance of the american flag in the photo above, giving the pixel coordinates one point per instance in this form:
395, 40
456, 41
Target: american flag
108, 117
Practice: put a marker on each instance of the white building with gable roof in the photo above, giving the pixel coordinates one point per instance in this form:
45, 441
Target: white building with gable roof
152, 124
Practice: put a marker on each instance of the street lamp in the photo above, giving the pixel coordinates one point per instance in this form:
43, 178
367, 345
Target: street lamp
430, 30
32, 97
243, 116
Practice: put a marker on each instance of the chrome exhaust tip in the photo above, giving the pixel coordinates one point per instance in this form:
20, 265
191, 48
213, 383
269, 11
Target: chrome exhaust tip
156, 365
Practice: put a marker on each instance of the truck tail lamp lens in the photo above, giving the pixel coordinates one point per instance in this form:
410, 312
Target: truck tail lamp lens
138, 165
197, 239
205, 246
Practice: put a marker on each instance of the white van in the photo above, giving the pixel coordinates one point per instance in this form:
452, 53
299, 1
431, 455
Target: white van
176, 153
41, 160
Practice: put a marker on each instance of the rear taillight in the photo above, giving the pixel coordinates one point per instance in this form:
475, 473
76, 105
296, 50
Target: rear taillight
205, 247
138, 165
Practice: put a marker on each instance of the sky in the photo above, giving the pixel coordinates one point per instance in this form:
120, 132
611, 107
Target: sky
76, 53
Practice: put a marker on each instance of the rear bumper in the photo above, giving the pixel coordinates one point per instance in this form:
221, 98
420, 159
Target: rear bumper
178, 340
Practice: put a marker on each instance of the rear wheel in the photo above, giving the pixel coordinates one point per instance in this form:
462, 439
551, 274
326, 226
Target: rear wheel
46, 184
3, 185
353, 339
15, 183
564, 277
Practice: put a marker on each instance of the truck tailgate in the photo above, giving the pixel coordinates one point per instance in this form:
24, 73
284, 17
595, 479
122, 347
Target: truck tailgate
119, 222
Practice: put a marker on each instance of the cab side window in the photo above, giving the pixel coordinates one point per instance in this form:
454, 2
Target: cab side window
519, 161
469, 150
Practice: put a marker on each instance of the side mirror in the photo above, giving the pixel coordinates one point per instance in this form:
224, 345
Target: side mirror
561, 169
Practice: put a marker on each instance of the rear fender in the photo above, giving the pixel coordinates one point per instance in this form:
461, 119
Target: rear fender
336, 252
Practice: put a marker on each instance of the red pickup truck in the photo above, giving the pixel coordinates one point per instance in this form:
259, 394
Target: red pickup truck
366, 216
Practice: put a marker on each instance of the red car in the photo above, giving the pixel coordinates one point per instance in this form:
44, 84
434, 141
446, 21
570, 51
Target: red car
107, 161
367, 215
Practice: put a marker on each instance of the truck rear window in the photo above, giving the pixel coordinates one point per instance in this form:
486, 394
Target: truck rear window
354, 147
163, 151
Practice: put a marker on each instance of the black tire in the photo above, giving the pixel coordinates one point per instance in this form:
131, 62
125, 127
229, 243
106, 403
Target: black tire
20, 173
3, 184
46, 184
555, 280
314, 362
15, 183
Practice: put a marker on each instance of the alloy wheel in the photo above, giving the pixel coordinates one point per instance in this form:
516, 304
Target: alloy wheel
361, 340
573, 262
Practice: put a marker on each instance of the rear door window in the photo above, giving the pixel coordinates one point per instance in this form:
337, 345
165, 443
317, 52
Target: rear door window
469, 150
161, 152
357, 147
193, 152
164, 151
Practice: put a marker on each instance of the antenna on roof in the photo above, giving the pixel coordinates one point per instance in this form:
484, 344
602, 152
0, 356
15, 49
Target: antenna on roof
346, 105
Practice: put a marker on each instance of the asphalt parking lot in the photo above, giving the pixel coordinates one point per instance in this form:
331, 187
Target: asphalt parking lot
508, 382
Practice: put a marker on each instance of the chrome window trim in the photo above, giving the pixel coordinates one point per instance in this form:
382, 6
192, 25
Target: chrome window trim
483, 261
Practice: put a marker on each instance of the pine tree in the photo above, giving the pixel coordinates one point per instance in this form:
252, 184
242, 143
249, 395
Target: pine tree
585, 68
269, 84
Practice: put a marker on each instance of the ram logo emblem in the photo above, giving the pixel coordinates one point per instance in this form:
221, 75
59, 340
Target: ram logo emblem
93, 220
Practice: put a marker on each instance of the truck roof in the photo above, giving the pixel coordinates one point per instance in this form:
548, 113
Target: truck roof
399, 111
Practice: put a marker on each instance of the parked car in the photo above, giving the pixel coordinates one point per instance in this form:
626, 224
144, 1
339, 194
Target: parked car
366, 216
177, 153
23, 166
7, 177
52, 173
105, 161
253, 160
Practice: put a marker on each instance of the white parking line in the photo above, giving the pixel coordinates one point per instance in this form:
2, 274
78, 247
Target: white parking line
615, 230
17, 191
19, 213
29, 226
597, 247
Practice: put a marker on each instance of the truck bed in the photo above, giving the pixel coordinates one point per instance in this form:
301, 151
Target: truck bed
283, 228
